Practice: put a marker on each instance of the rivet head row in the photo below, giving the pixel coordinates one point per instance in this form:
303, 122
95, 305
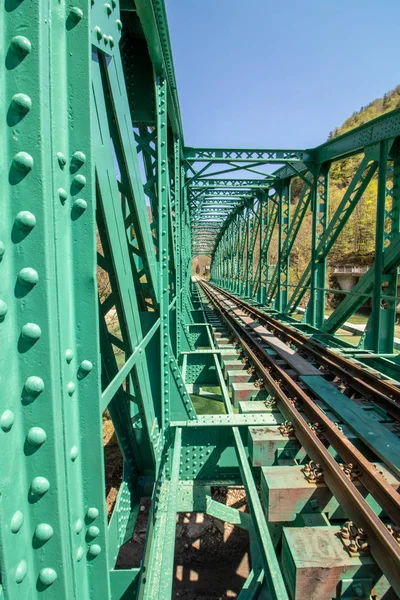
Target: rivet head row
17, 521
21, 45
62, 161
21, 103
79, 526
62, 194
92, 513
7, 420
21, 571
94, 550
76, 14
80, 205
31, 332
93, 531
44, 532
78, 158
40, 485
86, 366
3, 309
47, 576
23, 162
36, 436
28, 276
74, 453
79, 181
34, 385
25, 219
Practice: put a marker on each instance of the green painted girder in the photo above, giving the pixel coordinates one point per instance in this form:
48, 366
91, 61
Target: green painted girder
258, 156
296, 222
216, 192
233, 183
350, 143
362, 289
52, 474
353, 193
153, 20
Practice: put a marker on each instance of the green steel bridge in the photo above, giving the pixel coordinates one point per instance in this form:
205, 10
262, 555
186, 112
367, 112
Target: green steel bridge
97, 182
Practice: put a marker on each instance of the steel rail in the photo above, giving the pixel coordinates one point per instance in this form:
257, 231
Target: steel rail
384, 549
381, 391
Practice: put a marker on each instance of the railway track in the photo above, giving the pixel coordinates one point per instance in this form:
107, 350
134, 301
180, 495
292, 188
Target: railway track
363, 380
280, 357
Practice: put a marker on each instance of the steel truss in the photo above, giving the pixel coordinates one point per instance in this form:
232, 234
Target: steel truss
98, 179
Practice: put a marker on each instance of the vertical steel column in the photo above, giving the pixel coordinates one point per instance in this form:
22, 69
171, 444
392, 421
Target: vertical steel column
283, 262
245, 280
163, 230
263, 207
53, 523
315, 314
393, 216
376, 337
178, 247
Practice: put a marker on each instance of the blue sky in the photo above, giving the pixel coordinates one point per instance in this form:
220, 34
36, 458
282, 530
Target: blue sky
271, 74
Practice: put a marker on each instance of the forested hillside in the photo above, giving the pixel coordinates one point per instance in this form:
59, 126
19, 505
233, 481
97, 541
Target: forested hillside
355, 245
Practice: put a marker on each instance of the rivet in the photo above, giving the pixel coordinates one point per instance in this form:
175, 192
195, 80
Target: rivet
80, 205
28, 276
21, 571
79, 181
98, 32
118, 24
62, 194
74, 453
79, 526
79, 554
71, 387
62, 161
26, 220
21, 103
23, 162
7, 420
105, 38
31, 331
40, 485
69, 355
113, 3
78, 158
92, 513
2, 249
86, 366
36, 436
94, 550
111, 40
76, 14
108, 8
17, 521
34, 386
44, 532
93, 531
3, 309
47, 576
21, 45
